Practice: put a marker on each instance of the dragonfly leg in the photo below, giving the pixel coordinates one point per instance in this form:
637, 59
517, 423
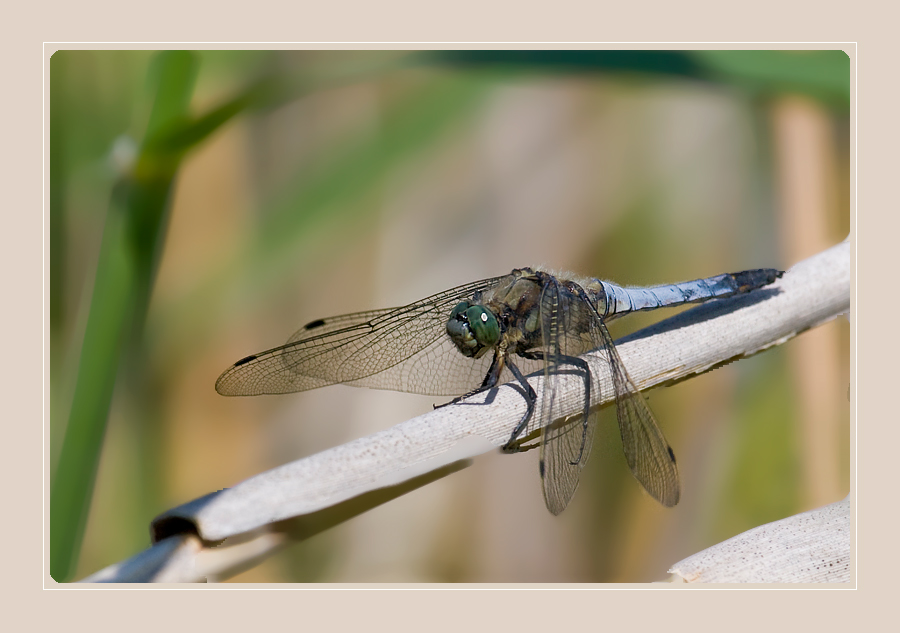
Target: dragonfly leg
530, 398
584, 369
490, 380
474, 392
582, 365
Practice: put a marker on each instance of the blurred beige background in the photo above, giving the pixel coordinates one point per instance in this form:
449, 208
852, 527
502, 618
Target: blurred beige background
378, 192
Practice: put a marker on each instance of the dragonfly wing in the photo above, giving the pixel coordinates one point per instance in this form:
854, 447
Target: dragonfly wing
561, 465
649, 455
565, 440
403, 349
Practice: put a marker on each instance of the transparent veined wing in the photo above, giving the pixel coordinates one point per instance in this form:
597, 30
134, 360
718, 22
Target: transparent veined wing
649, 455
565, 440
572, 325
402, 349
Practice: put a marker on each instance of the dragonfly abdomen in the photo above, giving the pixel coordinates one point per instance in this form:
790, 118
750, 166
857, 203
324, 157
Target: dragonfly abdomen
621, 300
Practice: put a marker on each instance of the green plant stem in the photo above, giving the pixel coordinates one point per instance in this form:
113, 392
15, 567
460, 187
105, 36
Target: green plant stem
131, 236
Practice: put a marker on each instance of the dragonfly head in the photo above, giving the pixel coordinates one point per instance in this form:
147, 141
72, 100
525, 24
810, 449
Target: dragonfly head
473, 328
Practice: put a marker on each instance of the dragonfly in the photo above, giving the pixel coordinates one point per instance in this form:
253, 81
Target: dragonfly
476, 336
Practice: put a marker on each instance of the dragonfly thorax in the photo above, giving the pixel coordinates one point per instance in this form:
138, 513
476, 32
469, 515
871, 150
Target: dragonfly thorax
473, 328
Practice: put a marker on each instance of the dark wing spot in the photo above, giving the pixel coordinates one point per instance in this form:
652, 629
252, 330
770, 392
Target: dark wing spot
671, 453
541, 468
243, 361
314, 324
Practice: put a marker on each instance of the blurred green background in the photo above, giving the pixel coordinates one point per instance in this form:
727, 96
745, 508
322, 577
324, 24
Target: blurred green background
206, 204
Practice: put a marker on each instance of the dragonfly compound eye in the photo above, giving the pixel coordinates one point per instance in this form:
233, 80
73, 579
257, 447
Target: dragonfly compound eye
484, 324
473, 329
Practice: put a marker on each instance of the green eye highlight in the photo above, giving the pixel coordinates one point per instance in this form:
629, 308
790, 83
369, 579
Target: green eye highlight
483, 325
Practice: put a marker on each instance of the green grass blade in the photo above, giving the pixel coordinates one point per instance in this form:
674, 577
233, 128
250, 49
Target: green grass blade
648, 61
821, 74
135, 226
130, 236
